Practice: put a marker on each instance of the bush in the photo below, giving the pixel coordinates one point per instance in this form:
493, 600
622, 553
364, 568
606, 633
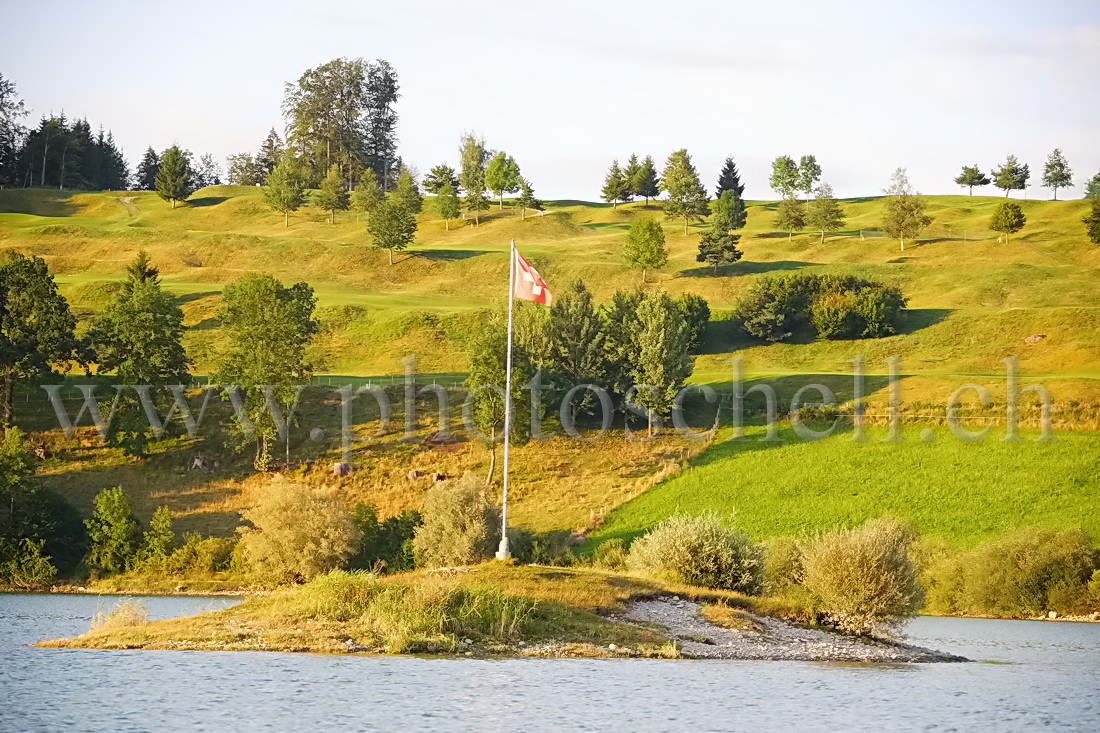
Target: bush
863, 577
834, 316
387, 545
297, 533
701, 550
200, 556
696, 315
782, 564
125, 613
610, 555
23, 566
114, 533
460, 526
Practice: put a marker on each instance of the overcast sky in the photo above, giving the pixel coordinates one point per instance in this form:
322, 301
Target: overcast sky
567, 86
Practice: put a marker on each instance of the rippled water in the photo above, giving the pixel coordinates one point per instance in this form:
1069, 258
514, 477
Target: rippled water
1036, 675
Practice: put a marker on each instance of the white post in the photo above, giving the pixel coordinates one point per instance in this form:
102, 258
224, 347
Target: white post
502, 551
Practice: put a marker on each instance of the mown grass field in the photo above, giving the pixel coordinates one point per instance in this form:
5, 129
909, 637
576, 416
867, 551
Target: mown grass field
973, 300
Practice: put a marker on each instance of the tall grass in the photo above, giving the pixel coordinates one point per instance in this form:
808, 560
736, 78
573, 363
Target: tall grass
125, 613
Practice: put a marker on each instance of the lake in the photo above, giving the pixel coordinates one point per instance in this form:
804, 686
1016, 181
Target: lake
1033, 674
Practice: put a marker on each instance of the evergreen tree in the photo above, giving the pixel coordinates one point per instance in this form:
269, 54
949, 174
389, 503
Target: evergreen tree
729, 211
526, 199
631, 172
1092, 187
785, 178
615, 185
472, 175
1008, 218
577, 349
1057, 173
729, 180
686, 196
407, 190
646, 183
174, 177
825, 213
1011, 176
114, 533
972, 176
145, 178
696, 315
439, 176
719, 247
1092, 222
903, 216
270, 153
661, 339
809, 173
645, 246
285, 188
12, 132
332, 195
790, 216
366, 195
502, 176
447, 204
391, 225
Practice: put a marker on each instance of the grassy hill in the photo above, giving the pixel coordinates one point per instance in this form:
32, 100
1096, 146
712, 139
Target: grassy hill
973, 300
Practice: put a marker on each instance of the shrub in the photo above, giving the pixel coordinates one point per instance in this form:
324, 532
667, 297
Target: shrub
782, 564
125, 613
297, 533
834, 315
696, 316
114, 533
460, 526
200, 556
863, 576
610, 555
23, 566
387, 545
701, 550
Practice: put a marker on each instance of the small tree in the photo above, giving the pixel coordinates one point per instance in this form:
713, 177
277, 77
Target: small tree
1008, 218
687, 198
366, 195
645, 246
285, 188
461, 526
729, 211
1057, 173
333, 195
785, 178
472, 174
718, 247
173, 179
615, 185
1012, 176
447, 204
526, 199
406, 190
243, 171
903, 216
809, 173
729, 180
114, 533
790, 216
646, 184
825, 213
502, 176
438, 177
972, 176
661, 341
1092, 222
145, 177
1092, 187
392, 226
702, 550
158, 541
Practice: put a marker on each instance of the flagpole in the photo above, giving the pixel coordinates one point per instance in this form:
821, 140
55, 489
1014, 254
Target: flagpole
502, 552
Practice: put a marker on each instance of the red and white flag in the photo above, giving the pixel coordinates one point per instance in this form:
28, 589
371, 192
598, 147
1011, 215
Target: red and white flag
528, 284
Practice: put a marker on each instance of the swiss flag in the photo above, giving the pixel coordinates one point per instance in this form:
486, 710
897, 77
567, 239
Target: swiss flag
528, 284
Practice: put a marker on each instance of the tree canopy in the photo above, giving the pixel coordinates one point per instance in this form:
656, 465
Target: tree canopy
1057, 173
687, 198
645, 245
903, 215
174, 176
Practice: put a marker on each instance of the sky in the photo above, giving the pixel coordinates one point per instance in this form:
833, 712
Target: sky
566, 87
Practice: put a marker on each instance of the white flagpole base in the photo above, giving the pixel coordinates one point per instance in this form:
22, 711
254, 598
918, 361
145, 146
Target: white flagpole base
502, 551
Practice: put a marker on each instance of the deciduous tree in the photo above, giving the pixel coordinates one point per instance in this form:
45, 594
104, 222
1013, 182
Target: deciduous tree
1057, 173
1092, 222
447, 204
790, 216
1011, 176
526, 199
439, 176
366, 195
332, 195
408, 191
472, 175
1008, 218
809, 173
785, 178
391, 225
825, 213
502, 176
903, 216
645, 246
285, 188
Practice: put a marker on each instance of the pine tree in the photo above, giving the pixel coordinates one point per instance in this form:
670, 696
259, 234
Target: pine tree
472, 174
1057, 173
366, 195
719, 247
903, 216
391, 225
1008, 218
631, 172
174, 177
447, 204
502, 176
729, 180
285, 188
646, 185
729, 211
972, 176
645, 246
1092, 222
615, 185
790, 216
271, 151
1011, 176
825, 213
407, 190
332, 195
526, 199
809, 173
686, 196
785, 178
439, 176
145, 177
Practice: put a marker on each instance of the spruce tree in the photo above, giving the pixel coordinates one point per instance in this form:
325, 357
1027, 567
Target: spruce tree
285, 188
447, 204
825, 213
972, 176
687, 198
790, 216
145, 177
615, 185
645, 246
631, 171
526, 199
718, 246
392, 226
729, 180
271, 151
366, 195
647, 184
729, 211
1008, 218
332, 195
1057, 173
174, 177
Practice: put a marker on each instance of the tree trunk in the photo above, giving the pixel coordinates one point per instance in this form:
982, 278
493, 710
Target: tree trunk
9, 402
1055, 193
823, 236
492, 459
685, 226
501, 206
902, 243
643, 275
286, 218
391, 255
971, 190
523, 213
649, 422
790, 236
447, 224
173, 203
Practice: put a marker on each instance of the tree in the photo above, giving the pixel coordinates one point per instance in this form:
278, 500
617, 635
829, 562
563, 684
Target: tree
1057, 173
174, 177
825, 213
406, 190
366, 195
972, 176
577, 351
646, 184
616, 188
718, 247
661, 343
285, 188
36, 326
207, 173
809, 173
729, 211
1011, 176
696, 313
790, 216
439, 176
785, 178
242, 170
145, 177
158, 541
729, 180
270, 153
686, 196
1008, 218
645, 245
268, 327
332, 195
472, 175
526, 199
12, 132
1092, 187
114, 533
1092, 222
631, 174
392, 226
502, 176
461, 525
903, 216
447, 204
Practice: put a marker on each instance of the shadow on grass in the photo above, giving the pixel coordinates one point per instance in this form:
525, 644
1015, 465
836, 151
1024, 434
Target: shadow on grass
207, 201
192, 297
447, 255
918, 318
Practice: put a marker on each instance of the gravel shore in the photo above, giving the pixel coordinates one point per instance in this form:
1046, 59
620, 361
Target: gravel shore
764, 637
